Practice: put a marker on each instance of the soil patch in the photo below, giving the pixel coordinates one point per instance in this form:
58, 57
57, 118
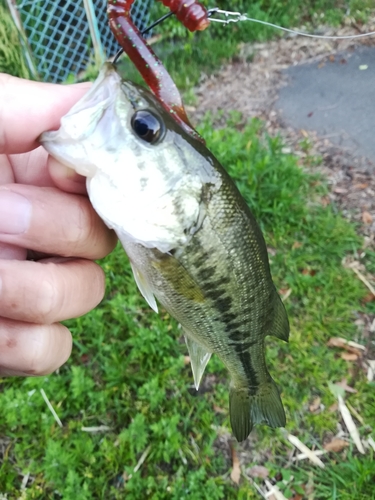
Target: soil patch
252, 83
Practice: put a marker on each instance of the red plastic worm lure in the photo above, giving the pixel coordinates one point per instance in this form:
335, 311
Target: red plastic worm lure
192, 14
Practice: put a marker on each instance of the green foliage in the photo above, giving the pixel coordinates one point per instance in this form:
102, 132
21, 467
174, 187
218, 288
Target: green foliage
133, 425
127, 371
11, 58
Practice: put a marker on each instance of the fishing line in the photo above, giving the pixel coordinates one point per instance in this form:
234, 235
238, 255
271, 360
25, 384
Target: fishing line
238, 17
146, 30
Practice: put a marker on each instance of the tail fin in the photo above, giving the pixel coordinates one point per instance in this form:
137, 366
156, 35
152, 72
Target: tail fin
246, 410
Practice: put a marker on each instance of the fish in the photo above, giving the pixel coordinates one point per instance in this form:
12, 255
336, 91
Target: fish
193, 244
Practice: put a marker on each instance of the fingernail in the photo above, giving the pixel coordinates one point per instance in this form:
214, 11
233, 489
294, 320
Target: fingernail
15, 213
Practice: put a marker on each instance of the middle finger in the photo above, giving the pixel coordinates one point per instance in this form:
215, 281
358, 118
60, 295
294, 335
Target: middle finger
48, 220
49, 291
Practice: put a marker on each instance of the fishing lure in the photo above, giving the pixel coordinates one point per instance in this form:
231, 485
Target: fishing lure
192, 14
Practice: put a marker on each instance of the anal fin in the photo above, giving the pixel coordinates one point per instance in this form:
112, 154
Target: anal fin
144, 288
280, 325
199, 357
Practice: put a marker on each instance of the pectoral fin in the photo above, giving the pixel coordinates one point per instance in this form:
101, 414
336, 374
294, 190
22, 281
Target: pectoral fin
144, 287
199, 357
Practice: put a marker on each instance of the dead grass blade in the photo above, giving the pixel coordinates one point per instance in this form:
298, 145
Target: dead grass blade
350, 425
302, 456
305, 450
142, 459
50, 407
364, 281
274, 491
371, 442
370, 369
99, 428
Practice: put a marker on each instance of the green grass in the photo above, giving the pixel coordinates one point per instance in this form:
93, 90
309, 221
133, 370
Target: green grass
127, 370
11, 58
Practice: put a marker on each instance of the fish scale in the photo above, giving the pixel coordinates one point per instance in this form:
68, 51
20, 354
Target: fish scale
191, 239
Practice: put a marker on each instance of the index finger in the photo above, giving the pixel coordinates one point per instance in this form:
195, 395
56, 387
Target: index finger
29, 108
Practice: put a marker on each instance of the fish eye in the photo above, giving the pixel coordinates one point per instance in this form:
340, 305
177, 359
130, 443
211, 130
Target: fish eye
147, 126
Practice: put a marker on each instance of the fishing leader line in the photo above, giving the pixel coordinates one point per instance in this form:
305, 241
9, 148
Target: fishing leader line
238, 17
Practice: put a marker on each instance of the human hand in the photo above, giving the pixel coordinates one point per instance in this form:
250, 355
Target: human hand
44, 209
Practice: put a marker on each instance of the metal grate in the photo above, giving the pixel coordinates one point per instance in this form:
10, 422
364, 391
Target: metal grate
63, 36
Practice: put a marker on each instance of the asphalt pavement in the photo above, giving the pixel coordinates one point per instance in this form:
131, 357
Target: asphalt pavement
335, 98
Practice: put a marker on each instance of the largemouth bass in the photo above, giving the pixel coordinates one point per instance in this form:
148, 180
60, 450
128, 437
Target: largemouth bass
192, 241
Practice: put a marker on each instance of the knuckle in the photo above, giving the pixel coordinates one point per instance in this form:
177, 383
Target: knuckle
52, 347
38, 360
99, 284
47, 297
81, 231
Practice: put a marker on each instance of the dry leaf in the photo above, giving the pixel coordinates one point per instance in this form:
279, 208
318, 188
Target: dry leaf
308, 272
236, 469
325, 201
366, 217
217, 409
349, 346
333, 407
346, 387
296, 244
331, 58
186, 360
336, 445
315, 405
258, 471
361, 186
368, 298
339, 190
348, 356
285, 294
